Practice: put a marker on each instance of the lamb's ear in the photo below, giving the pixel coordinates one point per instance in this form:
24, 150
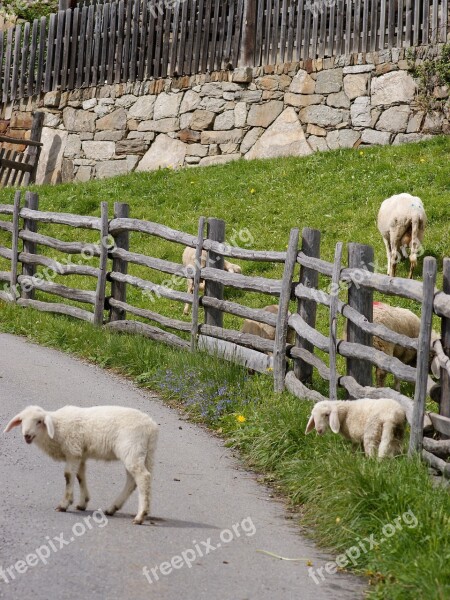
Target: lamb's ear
334, 420
50, 427
310, 425
15, 422
436, 367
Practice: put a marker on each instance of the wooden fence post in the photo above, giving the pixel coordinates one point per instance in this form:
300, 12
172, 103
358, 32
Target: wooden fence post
196, 290
119, 265
360, 256
31, 202
279, 351
334, 293
444, 408
307, 308
423, 353
215, 231
100, 292
247, 58
15, 247
34, 151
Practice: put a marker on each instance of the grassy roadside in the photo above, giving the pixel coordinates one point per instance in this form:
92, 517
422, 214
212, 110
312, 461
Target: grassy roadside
346, 497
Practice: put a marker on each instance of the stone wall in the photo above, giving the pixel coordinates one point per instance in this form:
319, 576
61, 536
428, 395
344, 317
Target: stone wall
284, 110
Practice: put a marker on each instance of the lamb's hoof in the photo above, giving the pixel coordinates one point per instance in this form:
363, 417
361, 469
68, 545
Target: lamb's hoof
138, 521
61, 509
81, 507
110, 511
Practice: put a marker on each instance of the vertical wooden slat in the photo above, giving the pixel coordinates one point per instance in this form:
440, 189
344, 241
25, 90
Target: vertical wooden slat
226, 56
112, 44
361, 299
66, 50
268, 31
331, 32
142, 41
426, 22
348, 28
8, 60
279, 347
2, 72
283, 33
196, 291
151, 41
24, 60
408, 23
100, 292
50, 48
119, 265
444, 407
31, 202
340, 28
174, 46
126, 44
120, 25
15, 246
213, 46
400, 15
198, 35
89, 44
34, 151
238, 33
190, 38
104, 52
334, 300
307, 34
307, 309
391, 23
365, 26
215, 231
18, 157
323, 31
158, 42
381, 42
221, 35
134, 38
423, 353
205, 40
434, 22
248, 46
81, 47
74, 48
291, 30
275, 31
16, 61
417, 23
374, 5
58, 49
356, 26
443, 37
166, 43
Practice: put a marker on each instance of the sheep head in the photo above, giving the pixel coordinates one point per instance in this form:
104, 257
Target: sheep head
324, 415
35, 422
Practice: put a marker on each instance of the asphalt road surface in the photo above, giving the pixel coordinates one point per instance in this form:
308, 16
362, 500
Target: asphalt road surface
210, 518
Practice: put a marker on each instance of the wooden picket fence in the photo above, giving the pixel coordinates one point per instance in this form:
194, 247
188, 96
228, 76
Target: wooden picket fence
264, 355
116, 41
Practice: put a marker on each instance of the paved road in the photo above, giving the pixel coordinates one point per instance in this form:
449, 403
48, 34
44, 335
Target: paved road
200, 492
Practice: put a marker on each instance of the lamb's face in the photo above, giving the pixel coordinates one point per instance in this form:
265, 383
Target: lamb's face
320, 418
35, 422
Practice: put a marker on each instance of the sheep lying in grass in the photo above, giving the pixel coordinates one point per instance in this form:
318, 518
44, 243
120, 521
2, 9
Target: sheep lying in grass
400, 320
189, 261
262, 329
376, 424
73, 434
401, 222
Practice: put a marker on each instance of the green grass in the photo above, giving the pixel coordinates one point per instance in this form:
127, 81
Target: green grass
344, 496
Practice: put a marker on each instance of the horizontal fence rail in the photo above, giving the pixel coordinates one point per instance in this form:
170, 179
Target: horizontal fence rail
290, 338
118, 41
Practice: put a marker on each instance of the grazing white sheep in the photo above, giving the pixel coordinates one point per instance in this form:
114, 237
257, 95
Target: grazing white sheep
189, 261
376, 424
401, 222
262, 329
73, 434
403, 321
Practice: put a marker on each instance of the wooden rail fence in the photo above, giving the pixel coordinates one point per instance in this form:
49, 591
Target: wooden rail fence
111, 256
115, 41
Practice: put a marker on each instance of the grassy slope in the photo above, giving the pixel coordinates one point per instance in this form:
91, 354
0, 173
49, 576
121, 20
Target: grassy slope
345, 496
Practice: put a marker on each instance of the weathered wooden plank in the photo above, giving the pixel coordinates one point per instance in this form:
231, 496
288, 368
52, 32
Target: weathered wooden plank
162, 231
244, 254
296, 387
58, 48
400, 15
126, 44
205, 41
153, 288
226, 55
213, 42
149, 331
255, 314
373, 31
237, 33
5, 253
365, 26
198, 36
299, 38
2, 72
356, 26
16, 61
435, 22
311, 359
214, 287
89, 45
417, 23
275, 32
124, 307
110, 71
6, 209
306, 308
24, 60
196, 290
13, 140
159, 41
408, 22
166, 42
59, 268
8, 60
333, 319
290, 30
73, 48
330, 42
190, 36
268, 33
247, 357
134, 38
142, 41
242, 282
340, 28
120, 26
437, 463
72, 220
57, 288
151, 41
283, 39
6, 226
244, 339
34, 150
348, 27
174, 46
443, 26
56, 307
50, 50
279, 355
81, 48
65, 61
100, 291
67, 247
391, 23
15, 246
5, 296
105, 45
423, 353
315, 30
119, 264
440, 448
440, 423
444, 407
29, 247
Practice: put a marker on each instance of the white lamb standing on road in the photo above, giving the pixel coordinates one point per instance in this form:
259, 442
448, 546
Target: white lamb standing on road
188, 260
73, 434
401, 222
376, 424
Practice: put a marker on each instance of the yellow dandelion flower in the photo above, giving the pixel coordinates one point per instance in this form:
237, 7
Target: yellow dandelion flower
241, 419
361, 153
270, 368
422, 160
252, 191
338, 519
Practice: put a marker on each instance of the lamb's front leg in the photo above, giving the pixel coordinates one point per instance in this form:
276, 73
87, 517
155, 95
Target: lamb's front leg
70, 470
84, 493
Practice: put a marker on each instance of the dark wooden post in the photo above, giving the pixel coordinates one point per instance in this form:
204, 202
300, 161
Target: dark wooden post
15, 247
196, 290
247, 58
34, 151
31, 202
307, 308
100, 292
444, 408
333, 318
215, 231
361, 299
119, 265
279, 352
423, 353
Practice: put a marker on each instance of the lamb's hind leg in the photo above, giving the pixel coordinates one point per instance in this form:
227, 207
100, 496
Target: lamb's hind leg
130, 486
84, 493
70, 470
142, 476
389, 444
